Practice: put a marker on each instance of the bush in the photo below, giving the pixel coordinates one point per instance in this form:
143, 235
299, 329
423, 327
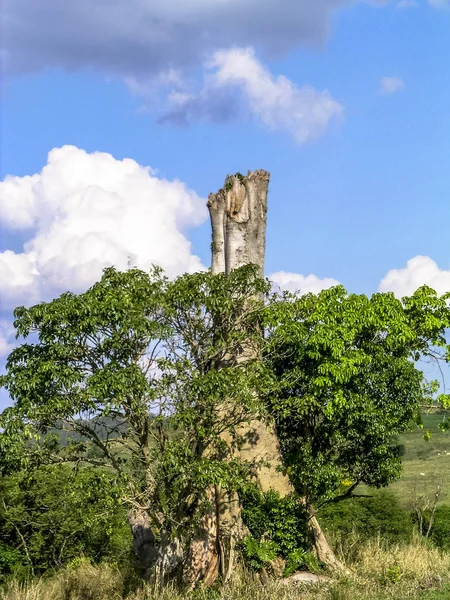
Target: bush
51, 515
280, 520
278, 529
440, 531
11, 560
380, 514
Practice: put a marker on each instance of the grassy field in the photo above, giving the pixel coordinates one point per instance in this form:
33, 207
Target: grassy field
426, 465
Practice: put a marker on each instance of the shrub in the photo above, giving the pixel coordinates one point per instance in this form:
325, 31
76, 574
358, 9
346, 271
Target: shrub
52, 515
380, 514
280, 520
440, 530
11, 560
278, 529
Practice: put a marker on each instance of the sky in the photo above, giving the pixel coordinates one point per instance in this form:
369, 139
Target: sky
118, 117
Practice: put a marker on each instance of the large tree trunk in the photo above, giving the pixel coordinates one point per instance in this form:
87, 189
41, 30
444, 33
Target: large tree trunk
238, 214
238, 219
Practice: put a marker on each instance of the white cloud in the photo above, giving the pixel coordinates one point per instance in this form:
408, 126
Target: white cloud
420, 270
235, 76
294, 282
135, 38
390, 85
88, 211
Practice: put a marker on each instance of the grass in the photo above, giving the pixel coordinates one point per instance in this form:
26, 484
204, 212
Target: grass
426, 464
413, 571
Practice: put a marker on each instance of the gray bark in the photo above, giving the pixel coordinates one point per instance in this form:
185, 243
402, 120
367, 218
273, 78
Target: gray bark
145, 546
216, 205
238, 213
158, 560
238, 220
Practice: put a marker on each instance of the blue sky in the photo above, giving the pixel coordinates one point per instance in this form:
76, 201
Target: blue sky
195, 90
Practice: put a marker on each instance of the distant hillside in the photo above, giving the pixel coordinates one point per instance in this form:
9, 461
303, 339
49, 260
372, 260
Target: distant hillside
102, 426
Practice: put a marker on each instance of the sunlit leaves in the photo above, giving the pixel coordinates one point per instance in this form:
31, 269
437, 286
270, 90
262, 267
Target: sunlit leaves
143, 376
347, 382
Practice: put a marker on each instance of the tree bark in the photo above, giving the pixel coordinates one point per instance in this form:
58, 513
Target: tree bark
144, 541
238, 215
238, 221
323, 549
202, 563
157, 559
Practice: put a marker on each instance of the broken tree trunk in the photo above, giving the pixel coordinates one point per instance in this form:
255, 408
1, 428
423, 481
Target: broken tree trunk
238, 215
238, 219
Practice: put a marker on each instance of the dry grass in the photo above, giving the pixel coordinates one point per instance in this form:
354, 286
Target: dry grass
414, 571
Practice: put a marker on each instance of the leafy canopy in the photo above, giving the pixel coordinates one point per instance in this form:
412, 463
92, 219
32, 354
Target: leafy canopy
143, 376
347, 383
140, 376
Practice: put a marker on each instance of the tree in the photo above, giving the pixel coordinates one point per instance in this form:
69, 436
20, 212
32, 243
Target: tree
54, 514
128, 370
347, 385
193, 389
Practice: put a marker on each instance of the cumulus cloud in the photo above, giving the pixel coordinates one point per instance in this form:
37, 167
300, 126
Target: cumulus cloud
86, 211
234, 75
420, 270
390, 85
294, 282
138, 37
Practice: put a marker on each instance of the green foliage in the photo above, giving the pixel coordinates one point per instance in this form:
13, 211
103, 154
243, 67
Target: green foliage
277, 526
440, 529
378, 515
132, 375
229, 180
142, 377
392, 574
300, 559
346, 383
12, 560
259, 552
52, 515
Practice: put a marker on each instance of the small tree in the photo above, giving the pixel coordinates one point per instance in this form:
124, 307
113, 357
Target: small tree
347, 385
